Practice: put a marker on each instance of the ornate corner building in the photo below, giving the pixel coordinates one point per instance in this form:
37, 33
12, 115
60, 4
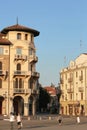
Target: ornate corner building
73, 82
18, 76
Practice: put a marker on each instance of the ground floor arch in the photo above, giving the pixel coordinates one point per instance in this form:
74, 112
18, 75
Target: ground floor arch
18, 105
2, 106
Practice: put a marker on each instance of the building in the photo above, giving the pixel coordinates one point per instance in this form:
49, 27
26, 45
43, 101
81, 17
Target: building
18, 75
51, 90
73, 82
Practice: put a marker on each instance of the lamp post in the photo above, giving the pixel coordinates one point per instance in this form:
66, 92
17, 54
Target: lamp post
12, 108
5, 97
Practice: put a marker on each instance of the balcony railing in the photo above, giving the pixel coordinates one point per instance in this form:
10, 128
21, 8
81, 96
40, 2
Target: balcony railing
21, 91
70, 80
3, 72
19, 72
70, 90
20, 57
81, 78
34, 91
35, 74
80, 89
33, 58
61, 81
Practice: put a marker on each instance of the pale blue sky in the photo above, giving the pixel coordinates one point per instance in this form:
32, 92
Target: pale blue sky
62, 24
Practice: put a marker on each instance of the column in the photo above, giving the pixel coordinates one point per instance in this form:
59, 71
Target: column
34, 107
26, 106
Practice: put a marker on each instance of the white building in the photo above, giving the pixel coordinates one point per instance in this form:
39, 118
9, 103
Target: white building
73, 82
18, 75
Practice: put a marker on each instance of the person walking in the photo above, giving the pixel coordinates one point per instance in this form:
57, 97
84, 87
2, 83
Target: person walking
12, 119
78, 119
19, 121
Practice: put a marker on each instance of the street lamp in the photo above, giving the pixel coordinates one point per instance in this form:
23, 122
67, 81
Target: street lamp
5, 97
12, 108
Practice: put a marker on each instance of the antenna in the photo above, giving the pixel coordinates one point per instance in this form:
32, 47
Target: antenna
17, 20
80, 44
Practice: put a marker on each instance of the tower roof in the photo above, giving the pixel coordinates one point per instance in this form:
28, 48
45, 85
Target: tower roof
18, 27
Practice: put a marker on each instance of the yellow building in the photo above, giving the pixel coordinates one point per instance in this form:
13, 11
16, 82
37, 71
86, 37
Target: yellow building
73, 83
18, 75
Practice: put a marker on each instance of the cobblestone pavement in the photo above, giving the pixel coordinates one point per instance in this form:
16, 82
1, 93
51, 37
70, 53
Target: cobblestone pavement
69, 123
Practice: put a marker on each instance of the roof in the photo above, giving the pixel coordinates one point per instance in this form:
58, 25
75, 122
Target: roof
18, 27
50, 90
3, 40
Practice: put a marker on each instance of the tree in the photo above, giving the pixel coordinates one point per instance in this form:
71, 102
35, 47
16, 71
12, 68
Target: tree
44, 99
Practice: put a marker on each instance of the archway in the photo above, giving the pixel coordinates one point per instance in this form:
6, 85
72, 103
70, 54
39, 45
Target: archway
18, 103
30, 105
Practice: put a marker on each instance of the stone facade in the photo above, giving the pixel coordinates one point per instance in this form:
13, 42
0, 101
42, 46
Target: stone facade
73, 82
18, 76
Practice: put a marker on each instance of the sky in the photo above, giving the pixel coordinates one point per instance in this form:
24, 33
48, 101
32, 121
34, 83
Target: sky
63, 31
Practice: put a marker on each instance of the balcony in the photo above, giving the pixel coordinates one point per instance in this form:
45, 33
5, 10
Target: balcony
22, 73
34, 91
20, 57
80, 89
21, 91
61, 81
33, 58
35, 74
81, 78
70, 90
3, 74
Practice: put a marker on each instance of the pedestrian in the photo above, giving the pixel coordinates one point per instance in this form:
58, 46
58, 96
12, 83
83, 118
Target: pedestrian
19, 121
78, 119
12, 119
59, 119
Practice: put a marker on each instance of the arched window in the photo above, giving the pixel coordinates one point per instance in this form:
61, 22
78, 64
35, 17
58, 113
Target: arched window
18, 68
18, 35
0, 67
20, 83
16, 83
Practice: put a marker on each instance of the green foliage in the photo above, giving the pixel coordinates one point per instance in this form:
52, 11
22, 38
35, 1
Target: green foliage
44, 98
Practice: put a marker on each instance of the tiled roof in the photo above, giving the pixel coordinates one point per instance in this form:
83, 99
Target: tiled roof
18, 27
4, 41
51, 90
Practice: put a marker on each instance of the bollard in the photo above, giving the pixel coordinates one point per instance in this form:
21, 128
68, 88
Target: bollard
40, 118
49, 117
29, 118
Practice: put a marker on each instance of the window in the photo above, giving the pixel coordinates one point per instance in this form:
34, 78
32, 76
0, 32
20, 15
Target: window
26, 36
31, 38
30, 51
16, 83
18, 68
1, 50
19, 83
81, 73
18, 35
81, 96
65, 76
0, 65
18, 51
70, 96
76, 74
0, 83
